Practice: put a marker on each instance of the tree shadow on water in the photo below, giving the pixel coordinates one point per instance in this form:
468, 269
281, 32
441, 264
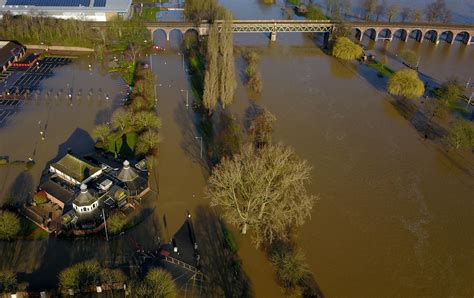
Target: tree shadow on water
222, 268
190, 143
21, 189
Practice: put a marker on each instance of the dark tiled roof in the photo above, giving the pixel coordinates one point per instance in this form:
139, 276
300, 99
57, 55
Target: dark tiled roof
137, 185
85, 197
59, 192
7, 51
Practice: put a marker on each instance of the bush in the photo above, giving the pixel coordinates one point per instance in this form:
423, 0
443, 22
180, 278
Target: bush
80, 277
406, 83
157, 283
450, 91
291, 268
8, 282
345, 49
9, 225
40, 198
461, 135
315, 13
115, 223
255, 83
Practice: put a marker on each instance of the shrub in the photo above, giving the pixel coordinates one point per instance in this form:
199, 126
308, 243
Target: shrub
345, 49
115, 223
8, 282
291, 268
157, 283
255, 83
315, 13
9, 225
81, 276
406, 83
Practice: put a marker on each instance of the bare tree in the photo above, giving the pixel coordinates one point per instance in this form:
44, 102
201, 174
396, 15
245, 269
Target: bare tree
147, 120
392, 11
133, 51
120, 119
417, 15
369, 7
405, 14
380, 11
261, 128
438, 12
262, 189
148, 142
346, 7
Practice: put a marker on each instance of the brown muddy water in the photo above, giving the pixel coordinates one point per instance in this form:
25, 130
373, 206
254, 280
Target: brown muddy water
394, 212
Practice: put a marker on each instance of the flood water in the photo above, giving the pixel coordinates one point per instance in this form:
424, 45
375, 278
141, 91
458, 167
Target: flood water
395, 211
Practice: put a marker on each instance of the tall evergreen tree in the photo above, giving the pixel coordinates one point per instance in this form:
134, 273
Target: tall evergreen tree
227, 74
211, 79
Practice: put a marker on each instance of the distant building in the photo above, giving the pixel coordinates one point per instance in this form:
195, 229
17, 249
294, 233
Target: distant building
86, 10
10, 52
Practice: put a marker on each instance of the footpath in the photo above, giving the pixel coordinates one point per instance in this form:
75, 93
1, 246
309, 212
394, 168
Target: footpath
58, 48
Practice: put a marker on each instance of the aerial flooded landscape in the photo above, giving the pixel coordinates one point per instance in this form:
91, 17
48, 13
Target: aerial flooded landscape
224, 148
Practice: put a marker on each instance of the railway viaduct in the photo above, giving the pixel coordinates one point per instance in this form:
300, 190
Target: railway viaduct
375, 30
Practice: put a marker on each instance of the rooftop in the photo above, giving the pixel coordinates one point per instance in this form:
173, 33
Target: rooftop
8, 49
59, 192
69, 5
85, 197
75, 167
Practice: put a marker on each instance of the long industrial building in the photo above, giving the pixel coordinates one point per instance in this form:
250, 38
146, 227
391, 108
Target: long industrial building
86, 10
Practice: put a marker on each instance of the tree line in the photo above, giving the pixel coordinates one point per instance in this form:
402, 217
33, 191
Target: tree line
406, 84
85, 277
137, 117
378, 10
436, 11
38, 29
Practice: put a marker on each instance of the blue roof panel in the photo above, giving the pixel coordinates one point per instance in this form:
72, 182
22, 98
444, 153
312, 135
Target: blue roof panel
45, 3
100, 3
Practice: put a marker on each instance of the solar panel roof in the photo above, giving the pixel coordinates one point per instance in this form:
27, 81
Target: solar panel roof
65, 3
100, 3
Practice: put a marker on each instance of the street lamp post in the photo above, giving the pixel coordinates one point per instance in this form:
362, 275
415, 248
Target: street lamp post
187, 97
182, 56
200, 139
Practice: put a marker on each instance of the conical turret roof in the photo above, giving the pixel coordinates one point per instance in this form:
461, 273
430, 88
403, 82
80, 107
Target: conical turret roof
84, 197
127, 174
